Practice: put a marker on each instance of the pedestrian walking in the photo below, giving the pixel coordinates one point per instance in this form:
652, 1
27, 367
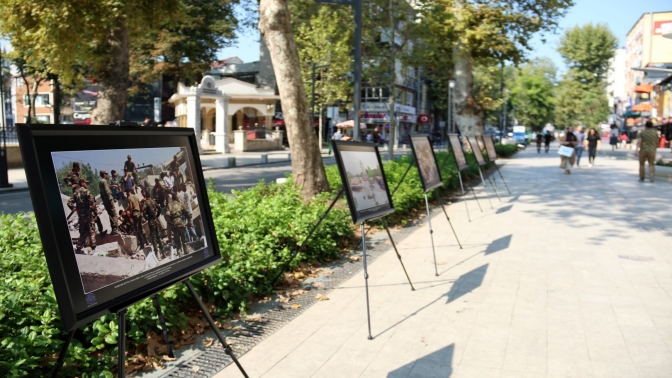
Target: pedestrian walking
540, 139
647, 144
592, 143
568, 139
547, 140
613, 137
624, 139
579, 147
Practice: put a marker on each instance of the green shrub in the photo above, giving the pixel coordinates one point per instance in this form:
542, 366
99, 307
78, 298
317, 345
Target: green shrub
506, 150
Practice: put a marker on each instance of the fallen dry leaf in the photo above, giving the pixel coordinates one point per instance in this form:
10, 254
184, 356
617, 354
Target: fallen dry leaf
283, 299
299, 275
296, 305
225, 325
208, 341
355, 257
321, 297
318, 284
328, 272
157, 365
253, 318
166, 358
195, 369
296, 293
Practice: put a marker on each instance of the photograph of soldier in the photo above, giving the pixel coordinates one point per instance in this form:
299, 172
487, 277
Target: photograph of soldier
116, 185
151, 212
119, 225
129, 166
176, 210
83, 203
108, 201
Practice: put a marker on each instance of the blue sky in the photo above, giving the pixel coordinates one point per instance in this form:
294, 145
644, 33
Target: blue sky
619, 15
114, 159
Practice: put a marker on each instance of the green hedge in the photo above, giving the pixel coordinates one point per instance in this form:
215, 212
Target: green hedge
506, 150
257, 230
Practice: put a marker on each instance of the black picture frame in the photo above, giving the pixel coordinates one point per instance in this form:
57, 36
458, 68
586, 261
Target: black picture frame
77, 308
344, 160
424, 157
476, 148
458, 152
490, 147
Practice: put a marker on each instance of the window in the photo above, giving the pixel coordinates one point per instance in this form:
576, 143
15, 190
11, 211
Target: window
41, 100
409, 99
40, 118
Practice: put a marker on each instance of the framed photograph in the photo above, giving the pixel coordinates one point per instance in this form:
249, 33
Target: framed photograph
458, 152
490, 147
427, 164
476, 148
123, 212
363, 180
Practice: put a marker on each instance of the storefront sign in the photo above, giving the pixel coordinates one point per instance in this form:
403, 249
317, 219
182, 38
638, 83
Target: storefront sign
662, 27
424, 118
381, 107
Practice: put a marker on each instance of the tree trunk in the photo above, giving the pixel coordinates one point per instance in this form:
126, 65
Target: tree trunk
32, 99
113, 81
393, 138
56, 106
466, 114
29, 120
307, 165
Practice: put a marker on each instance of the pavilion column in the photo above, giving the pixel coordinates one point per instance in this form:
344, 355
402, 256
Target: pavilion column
194, 117
222, 133
229, 127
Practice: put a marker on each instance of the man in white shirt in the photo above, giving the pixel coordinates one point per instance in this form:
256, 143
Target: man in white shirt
337, 135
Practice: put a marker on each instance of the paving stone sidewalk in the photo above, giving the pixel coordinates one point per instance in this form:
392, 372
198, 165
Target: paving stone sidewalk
569, 276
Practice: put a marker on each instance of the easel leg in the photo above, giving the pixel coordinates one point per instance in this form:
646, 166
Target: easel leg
64, 351
431, 233
451, 225
476, 198
398, 255
495, 189
459, 174
366, 283
227, 347
500, 175
121, 343
484, 186
162, 321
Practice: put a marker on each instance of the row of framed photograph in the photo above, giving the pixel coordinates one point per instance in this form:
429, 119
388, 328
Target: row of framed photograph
364, 180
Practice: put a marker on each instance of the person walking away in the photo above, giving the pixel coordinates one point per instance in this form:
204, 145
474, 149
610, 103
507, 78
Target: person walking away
613, 137
592, 143
579, 147
547, 140
647, 144
568, 140
624, 139
540, 139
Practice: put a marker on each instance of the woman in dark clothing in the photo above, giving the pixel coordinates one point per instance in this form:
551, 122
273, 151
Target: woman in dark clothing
592, 143
547, 140
568, 139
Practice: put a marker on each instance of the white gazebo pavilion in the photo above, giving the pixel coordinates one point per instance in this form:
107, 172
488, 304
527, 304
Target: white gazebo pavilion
212, 105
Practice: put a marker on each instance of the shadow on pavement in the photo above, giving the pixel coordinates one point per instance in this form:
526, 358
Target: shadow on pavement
499, 245
467, 283
435, 364
504, 209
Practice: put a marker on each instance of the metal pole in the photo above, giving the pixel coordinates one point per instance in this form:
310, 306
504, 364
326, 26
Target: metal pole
431, 234
389, 234
312, 96
4, 178
485, 186
121, 343
448, 113
366, 282
357, 8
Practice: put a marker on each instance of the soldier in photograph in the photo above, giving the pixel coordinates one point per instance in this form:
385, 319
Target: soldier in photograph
72, 177
158, 193
175, 171
84, 204
125, 222
108, 201
151, 211
129, 166
116, 185
176, 210
136, 215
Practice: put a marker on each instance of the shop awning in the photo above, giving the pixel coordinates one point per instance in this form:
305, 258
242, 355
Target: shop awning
631, 114
644, 88
643, 107
349, 124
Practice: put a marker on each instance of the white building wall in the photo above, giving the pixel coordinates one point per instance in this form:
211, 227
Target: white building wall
616, 78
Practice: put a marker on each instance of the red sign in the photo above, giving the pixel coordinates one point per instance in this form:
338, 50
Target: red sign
424, 118
662, 27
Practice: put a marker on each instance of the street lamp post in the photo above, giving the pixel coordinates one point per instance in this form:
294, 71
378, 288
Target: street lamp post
357, 10
4, 174
451, 86
312, 98
501, 133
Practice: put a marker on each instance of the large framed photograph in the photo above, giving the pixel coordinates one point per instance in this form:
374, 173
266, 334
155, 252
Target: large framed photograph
490, 147
364, 181
122, 212
458, 152
427, 164
476, 148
